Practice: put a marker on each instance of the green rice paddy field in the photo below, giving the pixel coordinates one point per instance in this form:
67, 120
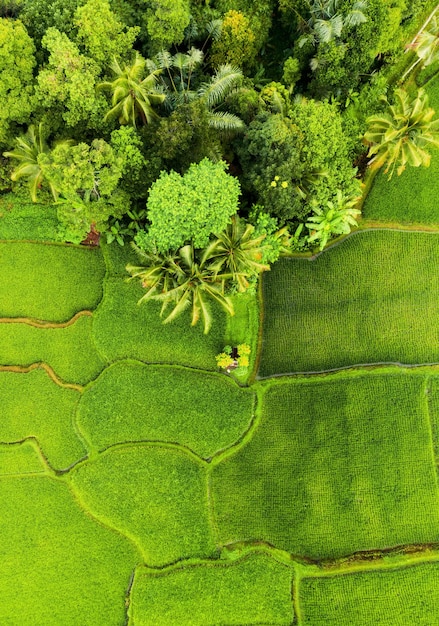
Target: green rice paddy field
140, 486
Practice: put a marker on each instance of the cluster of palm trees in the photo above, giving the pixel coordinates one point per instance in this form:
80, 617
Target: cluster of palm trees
169, 81
191, 278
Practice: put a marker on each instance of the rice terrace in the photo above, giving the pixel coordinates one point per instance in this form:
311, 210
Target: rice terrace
219, 313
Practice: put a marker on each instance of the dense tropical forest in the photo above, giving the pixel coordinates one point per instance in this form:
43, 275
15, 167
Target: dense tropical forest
218, 312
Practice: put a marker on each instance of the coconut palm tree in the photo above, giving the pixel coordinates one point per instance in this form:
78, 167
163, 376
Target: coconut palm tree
426, 46
28, 148
132, 95
400, 135
235, 254
177, 81
327, 23
181, 281
335, 219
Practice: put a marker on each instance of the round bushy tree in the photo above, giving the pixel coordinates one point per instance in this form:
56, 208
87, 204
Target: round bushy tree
191, 207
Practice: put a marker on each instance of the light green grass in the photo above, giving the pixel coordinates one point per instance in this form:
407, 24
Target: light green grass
125, 330
155, 495
402, 597
48, 281
32, 405
69, 351
337, 465
20, 458
243, 328
372, 298
20, 218
134, 402
59, 567
253, 590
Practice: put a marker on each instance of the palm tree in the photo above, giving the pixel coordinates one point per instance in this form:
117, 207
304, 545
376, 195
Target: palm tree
27, 150
426, 46
178, 73
400, 135
235, 255
335, 219
181, 281
132, 94
326, 23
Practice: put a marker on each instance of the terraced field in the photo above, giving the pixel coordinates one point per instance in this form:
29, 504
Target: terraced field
139, 486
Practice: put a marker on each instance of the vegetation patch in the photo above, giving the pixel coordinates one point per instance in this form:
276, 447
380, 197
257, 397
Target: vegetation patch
393, 597
337, 465
20, 218
58, 565
371, 299
69, 350
159, 499
34, 406
253, 590
20, 458
134, 402
68, 280
124, 330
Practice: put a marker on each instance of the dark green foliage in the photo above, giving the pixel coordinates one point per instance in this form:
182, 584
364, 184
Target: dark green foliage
341, 309
40, 15
159, 500
253, 590
34, 406
69, 280
201, 411
70, 570
329, 470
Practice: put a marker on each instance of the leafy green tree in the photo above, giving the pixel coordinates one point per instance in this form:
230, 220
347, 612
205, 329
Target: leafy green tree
128, 148
191, 207
17, 61
400, 136
336, 218
27, 151
40, 15
68, 82
236, 254
166, 21
236, 44
132, 95
180, 280
101, 34
327, 19
426, 46
86, 178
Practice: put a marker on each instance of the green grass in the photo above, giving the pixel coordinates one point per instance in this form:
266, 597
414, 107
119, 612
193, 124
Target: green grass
20, 458
135, 402
243, 328
69, 351
20, 218
396, 597
124, 330
156, 495
253, 590
337, 465
59, 567
34, 406
48, 282
372, 298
